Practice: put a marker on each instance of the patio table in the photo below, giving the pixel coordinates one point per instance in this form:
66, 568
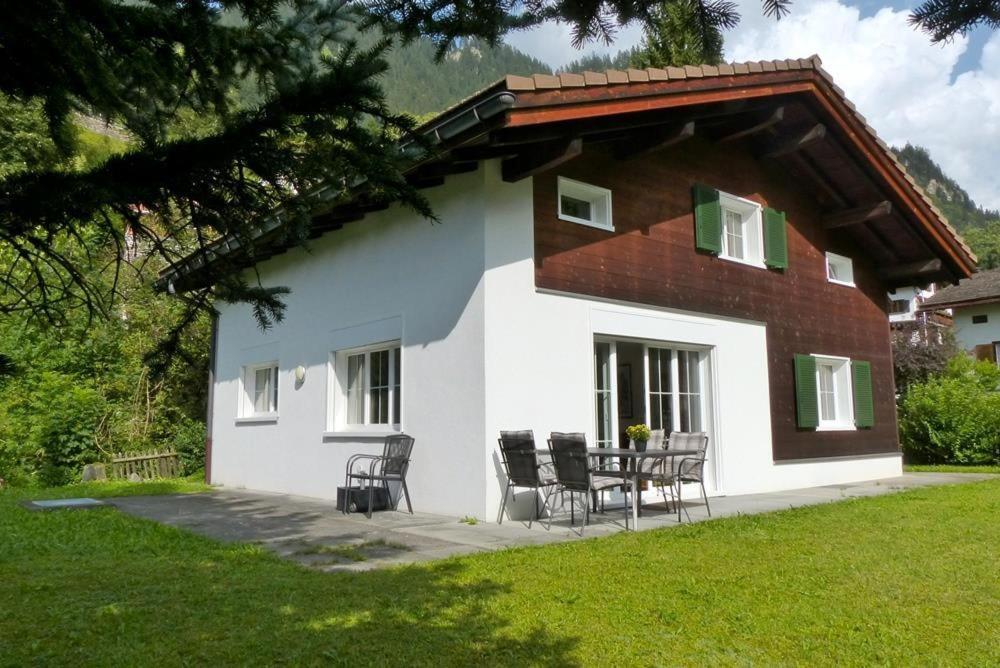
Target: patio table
635, 457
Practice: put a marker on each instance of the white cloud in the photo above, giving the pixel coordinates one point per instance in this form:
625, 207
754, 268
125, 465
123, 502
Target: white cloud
898, 80
552, 43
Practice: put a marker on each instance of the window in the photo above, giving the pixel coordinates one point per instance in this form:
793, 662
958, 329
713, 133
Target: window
370, 383
839, 269
899, 306
980, 319
669, 369
742, 236
585, 204
260, 391
834, 393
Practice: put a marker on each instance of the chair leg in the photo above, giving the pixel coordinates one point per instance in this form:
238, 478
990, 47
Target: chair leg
371, 499
572, 509
705, 494
406, 493
545, 506
550, 510
388, 495
586, 515
503, 503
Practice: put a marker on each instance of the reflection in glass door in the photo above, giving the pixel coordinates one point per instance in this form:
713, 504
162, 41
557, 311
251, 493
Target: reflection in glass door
674, 393
604, 381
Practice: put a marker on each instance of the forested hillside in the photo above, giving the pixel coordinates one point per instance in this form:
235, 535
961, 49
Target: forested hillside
979, 226
419, 85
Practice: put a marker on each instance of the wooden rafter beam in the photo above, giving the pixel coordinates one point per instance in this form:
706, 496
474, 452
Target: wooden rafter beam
655, 140
538, 159
857, 215
911, 269
797, 143
773, 119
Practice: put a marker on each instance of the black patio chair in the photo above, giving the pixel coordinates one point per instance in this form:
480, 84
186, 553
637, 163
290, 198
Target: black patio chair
690, 468
520, 462
575, 475
390, 466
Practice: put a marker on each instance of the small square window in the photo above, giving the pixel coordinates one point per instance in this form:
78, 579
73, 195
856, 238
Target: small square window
742, 235
259, 397
839, 269
981, 319
585, 204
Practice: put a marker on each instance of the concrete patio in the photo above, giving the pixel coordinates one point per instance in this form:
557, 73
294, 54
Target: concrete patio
314, 533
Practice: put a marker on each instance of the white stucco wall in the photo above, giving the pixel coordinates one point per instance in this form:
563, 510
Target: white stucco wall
483, 351
969, 334
540, 365
391, 272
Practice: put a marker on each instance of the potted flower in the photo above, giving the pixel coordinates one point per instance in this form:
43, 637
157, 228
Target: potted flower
639, 434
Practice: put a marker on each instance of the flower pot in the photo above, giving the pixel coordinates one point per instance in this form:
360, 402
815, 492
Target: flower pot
640, 446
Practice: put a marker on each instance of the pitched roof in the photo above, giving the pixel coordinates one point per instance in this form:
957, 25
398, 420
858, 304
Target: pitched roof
521, 118
612, 78
981, 288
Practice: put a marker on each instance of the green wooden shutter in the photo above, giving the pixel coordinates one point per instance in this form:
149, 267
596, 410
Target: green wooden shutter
775, 239
806, 403
864, 405
707, 219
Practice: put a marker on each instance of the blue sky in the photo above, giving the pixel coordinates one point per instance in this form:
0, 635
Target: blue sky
945, 97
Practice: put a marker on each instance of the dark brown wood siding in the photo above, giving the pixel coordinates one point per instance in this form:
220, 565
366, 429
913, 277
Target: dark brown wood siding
650, 258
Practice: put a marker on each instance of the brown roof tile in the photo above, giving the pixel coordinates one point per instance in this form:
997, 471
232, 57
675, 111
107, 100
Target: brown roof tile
617, 77
692, 71
595, 78
656, 74
515, 82
546, 81
568, 80
676, 73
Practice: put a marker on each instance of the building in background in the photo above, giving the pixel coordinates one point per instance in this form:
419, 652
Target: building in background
975, 306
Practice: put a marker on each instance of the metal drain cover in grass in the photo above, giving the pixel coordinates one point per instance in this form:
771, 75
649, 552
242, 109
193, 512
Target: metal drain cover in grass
62, 504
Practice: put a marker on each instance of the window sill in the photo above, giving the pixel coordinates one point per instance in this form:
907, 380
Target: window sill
586, 223
358, 435
748, 263
844, 283
258, 419
836, 427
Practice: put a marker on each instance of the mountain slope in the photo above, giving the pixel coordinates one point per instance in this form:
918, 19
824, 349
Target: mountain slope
950, 197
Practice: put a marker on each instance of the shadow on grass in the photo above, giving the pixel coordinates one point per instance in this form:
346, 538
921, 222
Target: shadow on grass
104, 588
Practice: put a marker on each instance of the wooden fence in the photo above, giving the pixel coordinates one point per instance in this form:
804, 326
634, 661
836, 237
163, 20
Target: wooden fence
147, 465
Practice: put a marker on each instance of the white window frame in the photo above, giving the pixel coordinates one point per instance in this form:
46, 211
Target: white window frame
599, 198
752, 217
845, 263
843, 392
339, 410
248, 389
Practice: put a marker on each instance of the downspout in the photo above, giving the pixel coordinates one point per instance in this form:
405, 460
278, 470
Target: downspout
210, 402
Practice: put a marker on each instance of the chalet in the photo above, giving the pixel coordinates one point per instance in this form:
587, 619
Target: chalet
975, 304
700, 249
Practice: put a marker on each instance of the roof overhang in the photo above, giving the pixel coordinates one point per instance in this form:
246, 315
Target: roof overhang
789, 111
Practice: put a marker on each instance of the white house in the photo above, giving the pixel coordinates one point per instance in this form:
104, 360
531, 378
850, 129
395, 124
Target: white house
975, 303
574, 283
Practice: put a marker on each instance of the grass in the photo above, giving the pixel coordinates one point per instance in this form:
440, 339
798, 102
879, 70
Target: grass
950, 468
902, 579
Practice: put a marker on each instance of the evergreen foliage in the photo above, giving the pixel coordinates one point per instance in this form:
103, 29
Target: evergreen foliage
943, 19
677, 34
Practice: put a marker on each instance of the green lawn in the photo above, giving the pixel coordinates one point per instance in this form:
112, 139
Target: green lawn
951, 468
903, 579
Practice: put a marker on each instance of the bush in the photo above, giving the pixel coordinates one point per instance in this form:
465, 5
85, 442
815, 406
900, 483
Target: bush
953, 418
189, 440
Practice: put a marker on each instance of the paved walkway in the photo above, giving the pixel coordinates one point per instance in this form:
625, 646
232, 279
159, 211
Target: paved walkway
313, 533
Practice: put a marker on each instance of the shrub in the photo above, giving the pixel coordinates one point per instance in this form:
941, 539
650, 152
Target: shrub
953, 418
189, 440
